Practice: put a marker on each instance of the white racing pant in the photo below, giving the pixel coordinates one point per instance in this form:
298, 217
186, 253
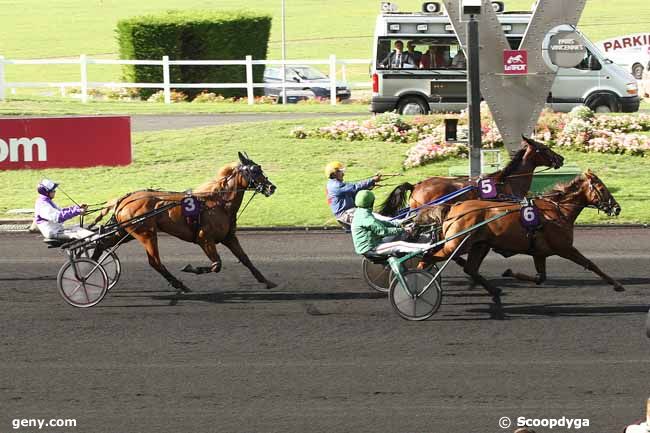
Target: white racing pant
68, 233
391, 248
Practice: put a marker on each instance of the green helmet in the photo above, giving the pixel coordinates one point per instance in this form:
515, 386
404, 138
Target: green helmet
364, 198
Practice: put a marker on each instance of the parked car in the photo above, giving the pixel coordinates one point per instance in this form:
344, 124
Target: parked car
316, 84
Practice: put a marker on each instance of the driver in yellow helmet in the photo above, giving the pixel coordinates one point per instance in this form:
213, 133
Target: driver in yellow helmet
340, 195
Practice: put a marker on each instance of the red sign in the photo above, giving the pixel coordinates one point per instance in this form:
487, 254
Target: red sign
515, 62
64, 142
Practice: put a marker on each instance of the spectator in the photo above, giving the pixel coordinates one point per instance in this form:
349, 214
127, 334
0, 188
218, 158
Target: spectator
415, 55
397, 59
459, 60
435, 58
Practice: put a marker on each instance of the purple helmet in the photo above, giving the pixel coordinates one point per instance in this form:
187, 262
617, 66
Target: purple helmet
46, 186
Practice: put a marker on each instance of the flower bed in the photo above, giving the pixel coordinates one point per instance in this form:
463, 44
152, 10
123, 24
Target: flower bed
580, 129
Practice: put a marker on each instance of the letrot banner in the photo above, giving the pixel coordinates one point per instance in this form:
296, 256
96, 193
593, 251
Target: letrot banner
64, 142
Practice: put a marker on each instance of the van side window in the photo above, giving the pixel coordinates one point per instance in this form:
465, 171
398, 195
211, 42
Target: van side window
589, 62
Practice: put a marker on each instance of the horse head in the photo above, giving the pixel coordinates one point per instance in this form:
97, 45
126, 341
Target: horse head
599, 196
254, 176
541, 154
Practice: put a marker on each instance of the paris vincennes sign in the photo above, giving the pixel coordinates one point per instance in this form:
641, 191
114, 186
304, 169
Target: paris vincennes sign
64, 142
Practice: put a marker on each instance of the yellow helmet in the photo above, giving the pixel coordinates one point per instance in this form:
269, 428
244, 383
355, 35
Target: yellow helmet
333, 167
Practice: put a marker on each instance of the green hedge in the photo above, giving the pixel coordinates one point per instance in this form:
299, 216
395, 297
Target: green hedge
194, 36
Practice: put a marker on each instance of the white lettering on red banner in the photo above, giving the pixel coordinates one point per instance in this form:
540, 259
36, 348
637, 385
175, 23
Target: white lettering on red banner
64, 142
515, 62
11, 149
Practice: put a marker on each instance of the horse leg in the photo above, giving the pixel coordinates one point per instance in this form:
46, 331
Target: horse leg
576, 257
149, 241
460, 261
474, 259
210, 250
233, 245
540, 266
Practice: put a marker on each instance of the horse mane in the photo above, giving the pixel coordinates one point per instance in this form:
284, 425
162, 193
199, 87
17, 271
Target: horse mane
566, 188
218, 183
514, 163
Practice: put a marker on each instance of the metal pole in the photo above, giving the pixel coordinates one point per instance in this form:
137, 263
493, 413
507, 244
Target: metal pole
284, 58
473, 97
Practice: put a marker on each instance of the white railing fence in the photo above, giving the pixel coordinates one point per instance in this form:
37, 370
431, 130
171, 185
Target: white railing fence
83, 61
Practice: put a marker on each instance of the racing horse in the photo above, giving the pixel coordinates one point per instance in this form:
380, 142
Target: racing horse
220, 200
557, 211
513, 180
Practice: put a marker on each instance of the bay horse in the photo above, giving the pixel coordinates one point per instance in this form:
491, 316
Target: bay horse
513, 180
220, 201
557, 212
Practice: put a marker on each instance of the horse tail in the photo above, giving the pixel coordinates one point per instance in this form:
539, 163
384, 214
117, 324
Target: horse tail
396, 200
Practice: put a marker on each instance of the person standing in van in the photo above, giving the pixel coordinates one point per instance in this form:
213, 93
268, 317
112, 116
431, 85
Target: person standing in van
415, 55
397, 58
434, 58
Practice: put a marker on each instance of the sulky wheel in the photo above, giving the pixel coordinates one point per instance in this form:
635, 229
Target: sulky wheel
420, 299
111, 264
82, 282
377, 275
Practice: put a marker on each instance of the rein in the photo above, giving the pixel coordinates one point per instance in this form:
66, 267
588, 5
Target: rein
247, 203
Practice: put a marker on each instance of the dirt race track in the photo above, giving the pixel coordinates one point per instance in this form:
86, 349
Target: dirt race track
322, 352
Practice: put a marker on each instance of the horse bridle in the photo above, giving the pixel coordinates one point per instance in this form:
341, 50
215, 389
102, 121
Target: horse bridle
253, 183
606, 206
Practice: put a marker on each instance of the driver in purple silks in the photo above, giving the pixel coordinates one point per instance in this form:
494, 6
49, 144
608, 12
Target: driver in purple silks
49, 217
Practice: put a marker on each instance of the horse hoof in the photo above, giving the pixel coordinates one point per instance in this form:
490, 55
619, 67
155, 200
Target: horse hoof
619, 288
188, 268
270, 285
507, 273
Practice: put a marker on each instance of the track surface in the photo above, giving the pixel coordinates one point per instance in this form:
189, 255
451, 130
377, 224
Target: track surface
321, 353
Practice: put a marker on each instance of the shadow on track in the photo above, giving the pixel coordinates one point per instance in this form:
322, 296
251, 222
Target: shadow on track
565, 310
245, 297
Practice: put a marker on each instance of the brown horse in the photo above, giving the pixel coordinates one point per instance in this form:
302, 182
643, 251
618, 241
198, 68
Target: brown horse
507, 235
219, 200
513, 180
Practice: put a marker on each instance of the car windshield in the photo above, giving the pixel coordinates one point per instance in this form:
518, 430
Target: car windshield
307, 73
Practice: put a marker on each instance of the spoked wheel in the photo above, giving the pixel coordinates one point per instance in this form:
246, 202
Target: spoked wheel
111, 264
82, 282
377, 275
420, 299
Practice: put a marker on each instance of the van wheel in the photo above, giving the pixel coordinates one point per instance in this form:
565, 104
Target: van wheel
637, 71
412, 106
602, 109
602, 103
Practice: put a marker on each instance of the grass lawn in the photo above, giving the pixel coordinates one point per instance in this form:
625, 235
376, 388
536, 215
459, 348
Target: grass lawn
58, 106
177, 160
314, 29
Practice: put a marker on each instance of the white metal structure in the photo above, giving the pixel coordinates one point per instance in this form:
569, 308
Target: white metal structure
84, 84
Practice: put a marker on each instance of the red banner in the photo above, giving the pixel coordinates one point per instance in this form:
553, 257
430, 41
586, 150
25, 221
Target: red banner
64, 142
515, 62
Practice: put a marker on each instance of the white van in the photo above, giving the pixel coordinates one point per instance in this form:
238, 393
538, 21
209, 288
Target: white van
431, 74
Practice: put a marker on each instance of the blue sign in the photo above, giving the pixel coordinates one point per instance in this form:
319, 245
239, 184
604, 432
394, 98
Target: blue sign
487, 188
529, 216
191, 207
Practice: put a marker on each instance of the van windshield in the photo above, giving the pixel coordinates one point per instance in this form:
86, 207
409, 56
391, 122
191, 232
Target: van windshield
419, 53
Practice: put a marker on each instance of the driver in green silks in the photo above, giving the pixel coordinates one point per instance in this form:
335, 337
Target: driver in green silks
369, 233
